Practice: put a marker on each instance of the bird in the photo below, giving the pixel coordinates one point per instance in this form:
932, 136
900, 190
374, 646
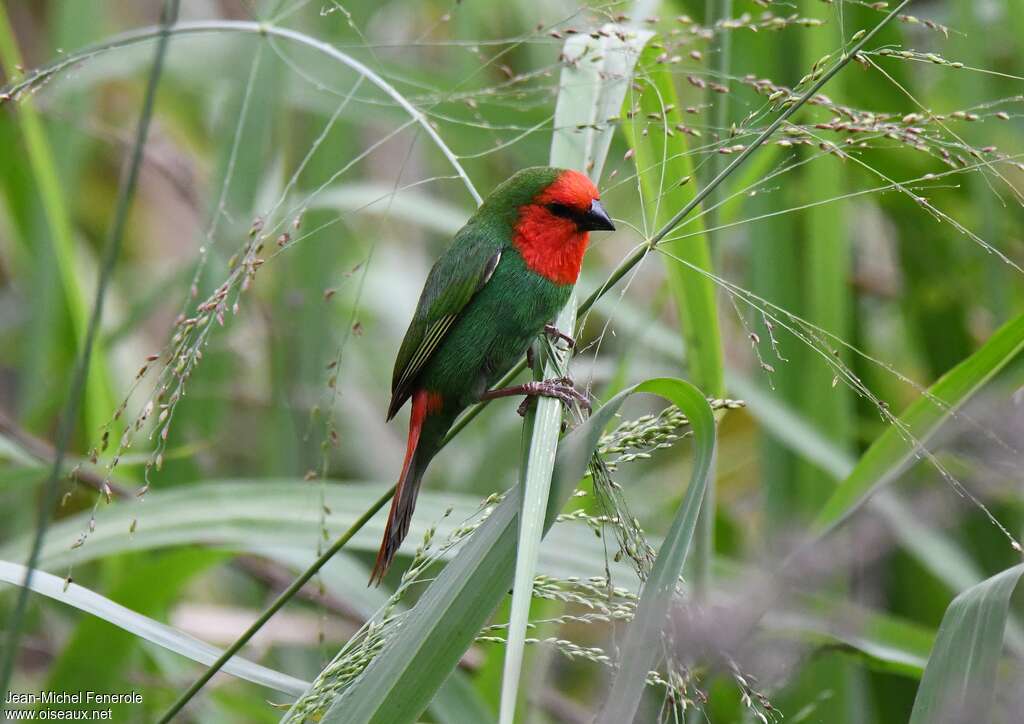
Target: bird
497, 287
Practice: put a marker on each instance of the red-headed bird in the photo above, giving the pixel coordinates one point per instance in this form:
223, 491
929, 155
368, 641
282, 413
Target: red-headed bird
508, 272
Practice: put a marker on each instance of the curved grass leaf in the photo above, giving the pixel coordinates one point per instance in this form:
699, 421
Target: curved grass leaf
643, 638
264, 29
890, 454
158, 633
959, 680
164, 576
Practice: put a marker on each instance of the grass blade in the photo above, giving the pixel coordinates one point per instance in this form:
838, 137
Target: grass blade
890, 454
959, 680
166, 575
643, 638
155, 632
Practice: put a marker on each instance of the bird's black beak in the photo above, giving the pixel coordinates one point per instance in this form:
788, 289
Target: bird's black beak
596, 219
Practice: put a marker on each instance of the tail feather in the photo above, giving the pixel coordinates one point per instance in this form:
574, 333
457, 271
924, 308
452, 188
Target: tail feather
404, 501
399, 518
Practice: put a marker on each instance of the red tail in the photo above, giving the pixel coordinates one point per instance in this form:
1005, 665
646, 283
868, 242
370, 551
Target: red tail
404, 501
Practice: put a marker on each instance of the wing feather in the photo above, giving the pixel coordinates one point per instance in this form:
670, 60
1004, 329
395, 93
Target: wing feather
433, 336
452, 283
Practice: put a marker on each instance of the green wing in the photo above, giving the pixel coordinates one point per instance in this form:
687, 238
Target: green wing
455, 279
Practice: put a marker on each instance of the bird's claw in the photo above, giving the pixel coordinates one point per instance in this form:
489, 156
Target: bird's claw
561, 389
554, 332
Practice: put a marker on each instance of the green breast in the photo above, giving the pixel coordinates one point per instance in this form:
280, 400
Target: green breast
494, 330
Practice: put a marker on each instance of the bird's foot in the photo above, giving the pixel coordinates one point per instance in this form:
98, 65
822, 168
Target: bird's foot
561, 389
557, 334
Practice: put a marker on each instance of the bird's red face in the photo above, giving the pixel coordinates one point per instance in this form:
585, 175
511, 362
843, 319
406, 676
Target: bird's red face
553, 230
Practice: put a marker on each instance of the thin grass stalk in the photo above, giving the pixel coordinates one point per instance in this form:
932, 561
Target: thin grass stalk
825, 254
826, 267
125, 196
718, 104
538, 463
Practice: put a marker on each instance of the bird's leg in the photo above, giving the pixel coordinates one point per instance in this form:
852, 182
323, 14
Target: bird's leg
560, 389
557, 334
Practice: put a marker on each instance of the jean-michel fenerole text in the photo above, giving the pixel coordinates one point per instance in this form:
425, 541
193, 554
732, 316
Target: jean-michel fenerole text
72, 697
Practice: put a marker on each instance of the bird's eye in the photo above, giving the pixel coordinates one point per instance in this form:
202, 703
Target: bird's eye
563, 210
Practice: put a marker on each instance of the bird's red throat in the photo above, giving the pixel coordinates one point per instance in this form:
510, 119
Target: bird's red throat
551, 245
